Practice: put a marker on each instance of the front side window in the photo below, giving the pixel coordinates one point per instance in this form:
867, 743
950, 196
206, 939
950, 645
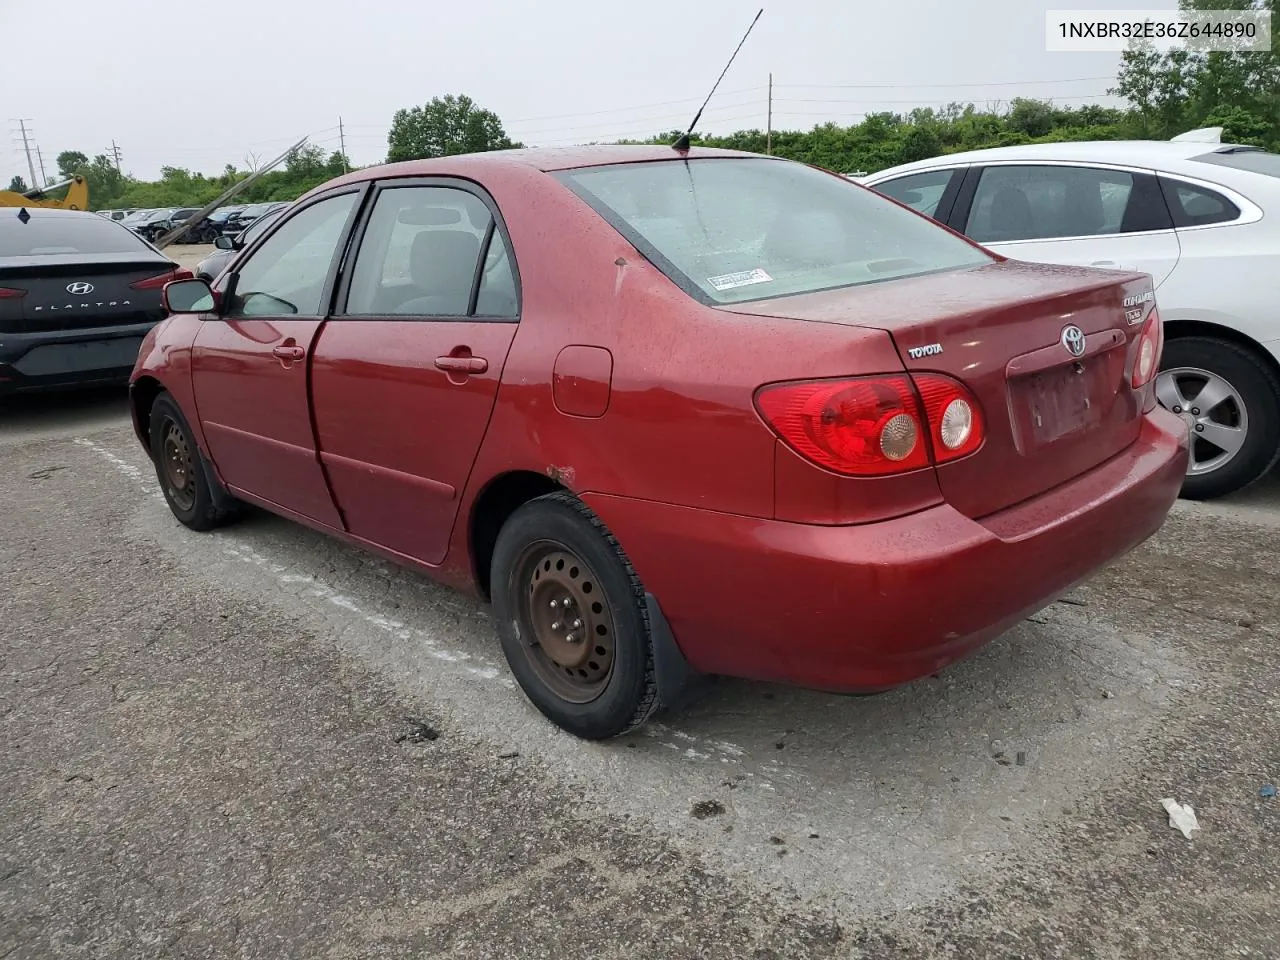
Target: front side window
921, 192
423, 253
732, 230
287, 274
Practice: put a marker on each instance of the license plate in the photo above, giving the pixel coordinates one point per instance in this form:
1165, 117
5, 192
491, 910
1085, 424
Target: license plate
1058, 403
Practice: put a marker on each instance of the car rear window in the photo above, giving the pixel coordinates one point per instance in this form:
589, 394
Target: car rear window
729, 230
1255, 161
46, 236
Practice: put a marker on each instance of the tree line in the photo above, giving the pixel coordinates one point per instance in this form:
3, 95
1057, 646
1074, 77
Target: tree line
1165, 94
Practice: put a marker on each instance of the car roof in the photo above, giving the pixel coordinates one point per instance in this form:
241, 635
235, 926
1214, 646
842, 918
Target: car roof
1156, 154
544, 158
47, 212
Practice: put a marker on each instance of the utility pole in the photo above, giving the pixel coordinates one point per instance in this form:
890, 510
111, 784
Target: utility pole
342, 145
44, 177
26, 147
768, 137
115, 155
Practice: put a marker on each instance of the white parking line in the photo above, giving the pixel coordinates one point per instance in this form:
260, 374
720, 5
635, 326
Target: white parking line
689, 746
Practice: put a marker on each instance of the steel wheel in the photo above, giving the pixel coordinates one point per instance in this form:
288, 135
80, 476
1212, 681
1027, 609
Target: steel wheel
566, 623
179, 467
1213, 410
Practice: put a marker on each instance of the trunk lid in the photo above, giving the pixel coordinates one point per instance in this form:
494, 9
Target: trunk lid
72, 293
1050, 415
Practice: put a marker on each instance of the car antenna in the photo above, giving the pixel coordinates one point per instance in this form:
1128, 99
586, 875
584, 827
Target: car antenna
682, 142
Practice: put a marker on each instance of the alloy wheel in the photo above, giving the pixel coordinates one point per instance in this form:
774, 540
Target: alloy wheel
1213, 410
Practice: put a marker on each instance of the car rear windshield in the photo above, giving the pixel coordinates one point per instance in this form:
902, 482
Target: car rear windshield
1255, 161
731, 230
46, 236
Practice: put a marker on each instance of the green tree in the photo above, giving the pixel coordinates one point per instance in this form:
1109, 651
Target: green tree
444, 127
18, 185
70, 163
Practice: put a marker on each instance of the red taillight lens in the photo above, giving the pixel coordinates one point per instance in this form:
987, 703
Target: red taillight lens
1150, 346
874, 426
955, 422
11, 293
158, 282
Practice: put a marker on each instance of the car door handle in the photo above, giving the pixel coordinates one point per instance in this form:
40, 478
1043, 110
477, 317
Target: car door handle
286, 352
462, 364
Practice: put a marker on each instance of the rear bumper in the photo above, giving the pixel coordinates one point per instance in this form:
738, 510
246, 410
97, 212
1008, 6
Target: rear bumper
868, 607
64, 358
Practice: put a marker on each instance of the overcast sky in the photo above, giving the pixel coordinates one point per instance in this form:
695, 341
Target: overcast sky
200, 85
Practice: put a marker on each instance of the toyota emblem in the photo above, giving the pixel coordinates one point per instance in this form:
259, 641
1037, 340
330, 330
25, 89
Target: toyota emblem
1073, 340
80, 288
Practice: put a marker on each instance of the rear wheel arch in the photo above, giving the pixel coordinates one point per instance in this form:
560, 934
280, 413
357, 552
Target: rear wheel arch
1180, 329
493, 506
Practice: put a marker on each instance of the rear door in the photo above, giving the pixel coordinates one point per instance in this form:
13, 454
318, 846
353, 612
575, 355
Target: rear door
1089, 216
406, 373
249, 366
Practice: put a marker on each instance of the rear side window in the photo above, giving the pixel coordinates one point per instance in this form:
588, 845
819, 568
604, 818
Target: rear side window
432, 251
733, 230
921, 192
49, 236
1052, 202
1196, 206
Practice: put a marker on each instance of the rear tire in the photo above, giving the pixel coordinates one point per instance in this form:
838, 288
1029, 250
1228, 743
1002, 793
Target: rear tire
186, 478
572, 619
1252, 405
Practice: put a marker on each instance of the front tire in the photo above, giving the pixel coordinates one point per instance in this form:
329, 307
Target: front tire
572, 619
1230, 400
186, 478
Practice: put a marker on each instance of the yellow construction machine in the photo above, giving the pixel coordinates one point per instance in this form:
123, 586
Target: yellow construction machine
76, 197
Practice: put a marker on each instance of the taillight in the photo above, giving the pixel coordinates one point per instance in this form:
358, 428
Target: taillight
9, 293
1150, 346
955, 422
874, 426
158, 282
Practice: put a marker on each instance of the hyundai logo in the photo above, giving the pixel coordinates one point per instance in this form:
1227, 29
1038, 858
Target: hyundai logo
80, 288
1073, 340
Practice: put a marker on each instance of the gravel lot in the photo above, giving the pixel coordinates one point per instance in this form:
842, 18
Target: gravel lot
263, 743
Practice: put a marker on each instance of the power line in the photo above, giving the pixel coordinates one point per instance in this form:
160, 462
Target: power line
115, 155
903, 85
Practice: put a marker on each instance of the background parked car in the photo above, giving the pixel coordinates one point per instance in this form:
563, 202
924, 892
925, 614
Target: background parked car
1202, 218
144, 226
201, 232
229, 247
77, 294
242, 218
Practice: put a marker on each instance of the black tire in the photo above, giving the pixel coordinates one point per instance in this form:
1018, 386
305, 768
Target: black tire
561, 525
186, 478
1259, 389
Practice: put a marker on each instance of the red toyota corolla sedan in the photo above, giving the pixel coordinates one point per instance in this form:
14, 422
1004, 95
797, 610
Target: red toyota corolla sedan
675, 413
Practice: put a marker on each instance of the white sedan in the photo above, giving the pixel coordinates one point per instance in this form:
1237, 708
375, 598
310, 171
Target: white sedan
1203, 218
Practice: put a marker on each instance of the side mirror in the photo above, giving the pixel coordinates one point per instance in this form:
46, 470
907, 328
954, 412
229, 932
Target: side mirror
224, 243
189, 296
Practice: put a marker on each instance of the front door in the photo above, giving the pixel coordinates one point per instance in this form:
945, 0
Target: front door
1079, 215
249, 366
405, 375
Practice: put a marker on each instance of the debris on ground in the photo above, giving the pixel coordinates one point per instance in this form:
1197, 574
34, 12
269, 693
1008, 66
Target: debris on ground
706, 808
508, 754
1022, 758
1074, 601
419, 732
1181, 816
1267, 791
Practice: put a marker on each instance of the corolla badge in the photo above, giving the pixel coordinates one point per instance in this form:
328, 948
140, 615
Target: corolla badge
1073, 340
80, 288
